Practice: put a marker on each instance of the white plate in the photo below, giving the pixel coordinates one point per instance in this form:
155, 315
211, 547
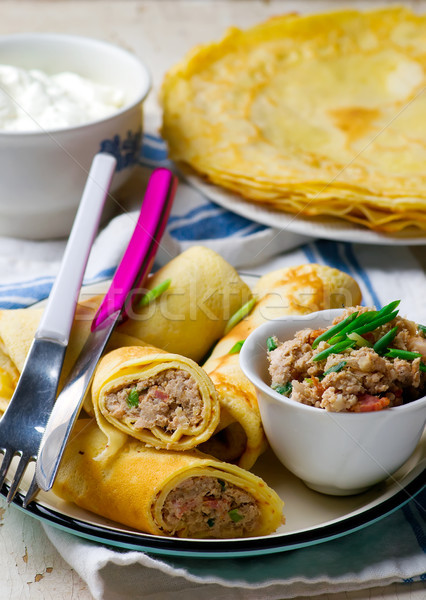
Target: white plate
311, 517
317, 227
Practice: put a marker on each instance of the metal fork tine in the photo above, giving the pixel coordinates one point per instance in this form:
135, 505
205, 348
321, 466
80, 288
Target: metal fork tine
7, 459
32, 492
17, 478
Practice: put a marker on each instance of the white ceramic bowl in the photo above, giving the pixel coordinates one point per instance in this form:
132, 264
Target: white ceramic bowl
42, 174
333, 453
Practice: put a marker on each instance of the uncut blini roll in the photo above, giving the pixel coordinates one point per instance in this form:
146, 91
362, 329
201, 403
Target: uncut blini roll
17, 329
162, 492
191, 315
290, 291
162, 399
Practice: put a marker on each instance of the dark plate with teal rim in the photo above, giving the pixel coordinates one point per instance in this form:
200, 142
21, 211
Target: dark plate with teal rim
311, 517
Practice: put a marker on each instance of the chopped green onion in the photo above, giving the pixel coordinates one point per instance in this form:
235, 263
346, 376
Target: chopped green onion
151, 295
382, 344
271, 344
404, 354
210, 522
328, 333
236, 347
422, 329
284, 390
389, 308
377, 322
240, 314
359, 340
335, 368
222, 484
423, 367
235, 516
334, 349
362, 319
308, 380
133, 398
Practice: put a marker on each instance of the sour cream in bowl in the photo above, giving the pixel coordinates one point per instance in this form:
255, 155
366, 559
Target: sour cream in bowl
63, 98
343, 451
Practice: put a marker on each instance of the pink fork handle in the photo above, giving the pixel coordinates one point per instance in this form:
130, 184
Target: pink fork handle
140, 253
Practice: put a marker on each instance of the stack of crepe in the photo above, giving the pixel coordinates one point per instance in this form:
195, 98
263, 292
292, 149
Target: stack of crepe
158, 463
313, 115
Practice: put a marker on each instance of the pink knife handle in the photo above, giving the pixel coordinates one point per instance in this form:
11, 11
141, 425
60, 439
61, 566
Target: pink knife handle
140, 253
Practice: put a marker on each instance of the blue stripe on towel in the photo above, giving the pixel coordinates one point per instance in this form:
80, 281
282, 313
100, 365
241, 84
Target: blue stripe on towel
30, 292
256, 227
208, 206
29, 283
154, 138
153, 152
349, 252
104, 274
331, 255
309, 253
38, 290
216, 226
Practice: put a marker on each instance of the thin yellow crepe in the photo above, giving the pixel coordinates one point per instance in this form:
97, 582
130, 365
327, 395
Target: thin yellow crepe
131, 488
17, 329
125, 367
191, 315
322, 114
295, 290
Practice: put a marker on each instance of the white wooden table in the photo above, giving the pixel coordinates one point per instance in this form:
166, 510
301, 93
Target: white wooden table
159, 32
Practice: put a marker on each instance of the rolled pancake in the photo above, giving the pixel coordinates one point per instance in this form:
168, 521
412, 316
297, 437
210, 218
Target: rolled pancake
9, 376
162, 492
191, 315
17, 329
295, 290
162, 399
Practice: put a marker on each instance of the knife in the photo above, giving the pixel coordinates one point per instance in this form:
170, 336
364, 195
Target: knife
131, 273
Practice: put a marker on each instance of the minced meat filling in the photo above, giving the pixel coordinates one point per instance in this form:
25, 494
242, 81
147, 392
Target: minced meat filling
170, 400
202, 507
357, 379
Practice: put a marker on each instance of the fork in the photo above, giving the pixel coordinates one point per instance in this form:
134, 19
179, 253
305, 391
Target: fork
24, 421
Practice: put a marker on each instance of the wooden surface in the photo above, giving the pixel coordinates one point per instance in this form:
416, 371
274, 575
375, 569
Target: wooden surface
159, 32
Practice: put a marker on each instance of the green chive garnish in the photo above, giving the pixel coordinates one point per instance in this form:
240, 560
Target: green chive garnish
210, 522
240, 314
151, 295
334, 330
377, 322
334, 349
284, 390
133, 398
422, 329
308, 380
222, 484
236, 347
271, 344
423, 367
382, 344
363, 319
389, 308
235, 516
404, 354
371, 317
359, 340
335, 368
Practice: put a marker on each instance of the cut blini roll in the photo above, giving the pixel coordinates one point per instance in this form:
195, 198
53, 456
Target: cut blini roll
163, 492
164, 400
